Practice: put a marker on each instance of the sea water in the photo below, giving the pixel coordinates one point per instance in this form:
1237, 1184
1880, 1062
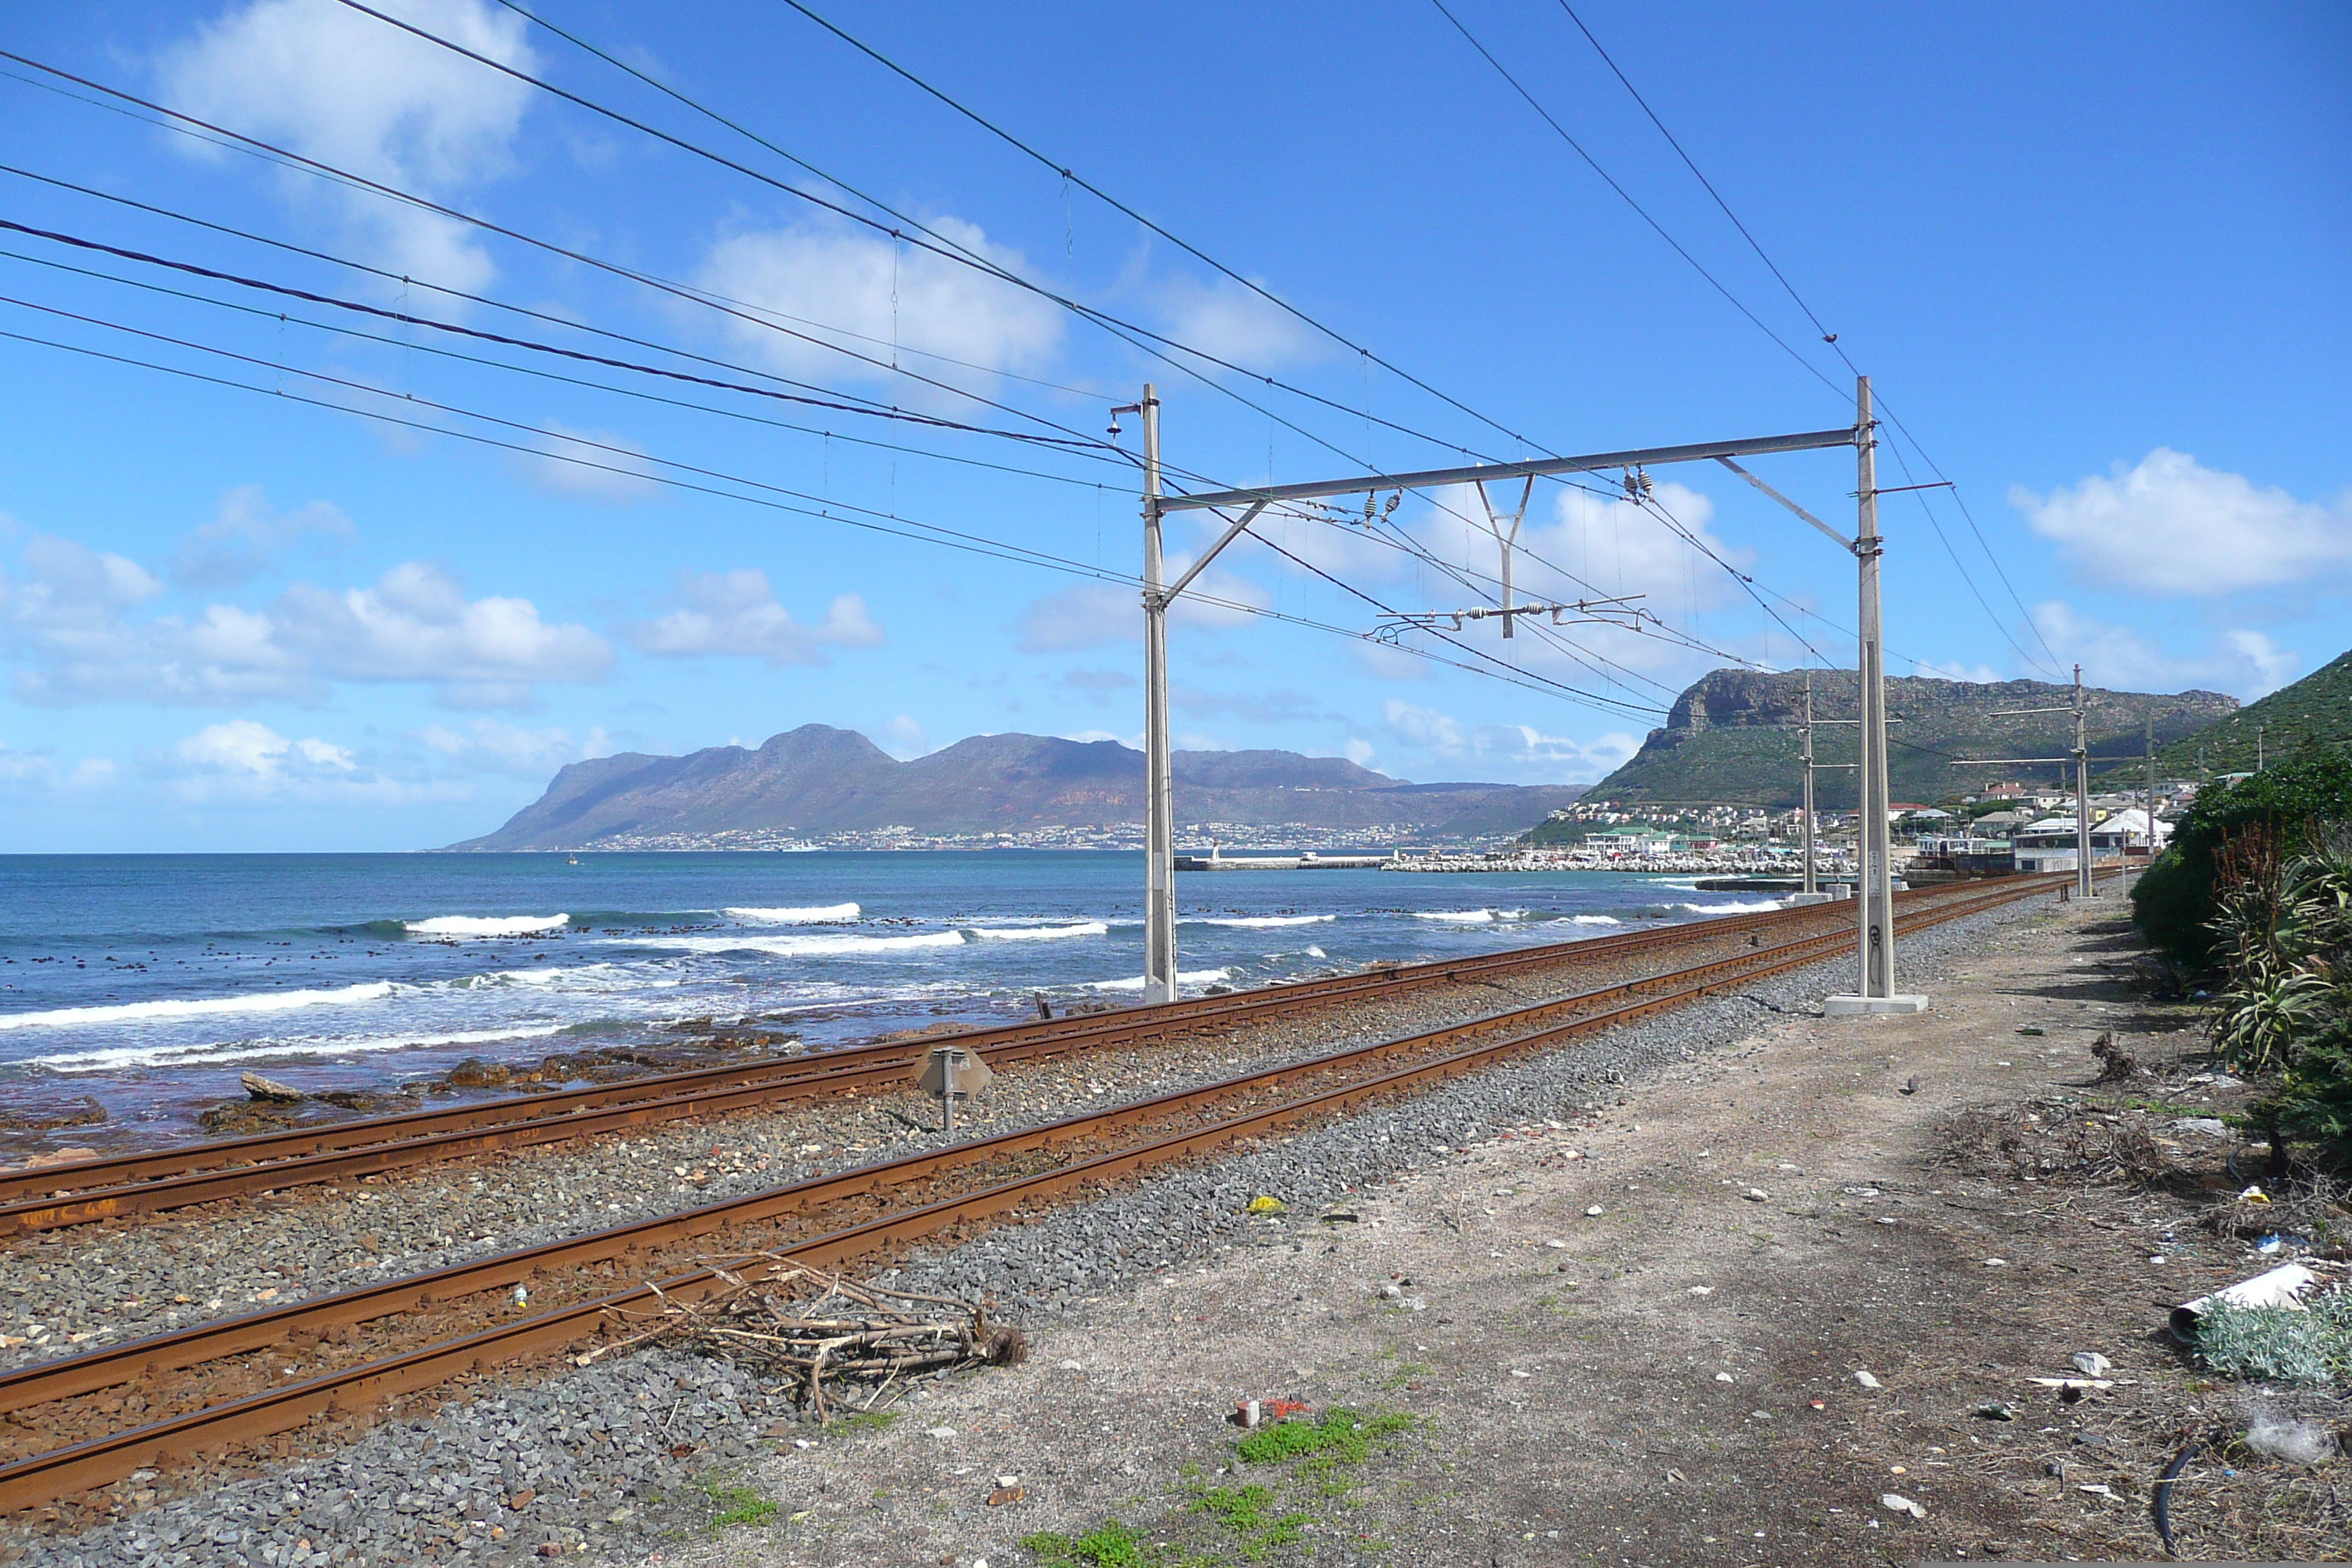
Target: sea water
149, 983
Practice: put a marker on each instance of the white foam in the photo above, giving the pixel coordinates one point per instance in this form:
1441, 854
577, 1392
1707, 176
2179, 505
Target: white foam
487, 925
589, 977
803, 946
117, 1057
1037, 933
810, 914
1183, 977
1263, 922
1317, 953
1594, 920
195, 1007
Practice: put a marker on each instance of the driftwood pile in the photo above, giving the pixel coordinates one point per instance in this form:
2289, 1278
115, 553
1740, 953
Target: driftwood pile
839, 1345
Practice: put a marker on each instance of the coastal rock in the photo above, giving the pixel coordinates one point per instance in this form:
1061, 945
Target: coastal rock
270, 1091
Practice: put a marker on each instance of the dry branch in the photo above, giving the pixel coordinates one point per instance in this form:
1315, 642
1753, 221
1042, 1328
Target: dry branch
821, 1335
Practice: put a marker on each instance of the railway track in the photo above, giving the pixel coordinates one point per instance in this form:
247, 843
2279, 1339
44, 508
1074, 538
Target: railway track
97, 1190
229, 1379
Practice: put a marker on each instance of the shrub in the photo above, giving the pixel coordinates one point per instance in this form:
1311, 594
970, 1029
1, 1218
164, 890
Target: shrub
2173, 904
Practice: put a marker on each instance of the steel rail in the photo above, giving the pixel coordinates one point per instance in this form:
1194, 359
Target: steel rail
93, 1191
44, 1477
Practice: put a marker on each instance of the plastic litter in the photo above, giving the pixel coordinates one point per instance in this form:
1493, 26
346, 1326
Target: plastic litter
2281, 1287
1895, 1502
2091, 1364
2302, 1442
1867, 1381
1265, 1204
1996, 1411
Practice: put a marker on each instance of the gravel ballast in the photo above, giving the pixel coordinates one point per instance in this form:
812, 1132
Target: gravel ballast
610, 1461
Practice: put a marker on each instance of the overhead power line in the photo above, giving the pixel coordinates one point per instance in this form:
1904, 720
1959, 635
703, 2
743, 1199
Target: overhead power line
1830, 339
1124, 209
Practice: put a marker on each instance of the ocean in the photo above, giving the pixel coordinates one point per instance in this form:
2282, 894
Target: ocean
147, 983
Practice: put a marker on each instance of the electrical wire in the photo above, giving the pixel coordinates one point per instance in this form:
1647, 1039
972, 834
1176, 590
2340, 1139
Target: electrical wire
1066, 173
644, 279
408, 347
632, 468
505, 340
1830, 339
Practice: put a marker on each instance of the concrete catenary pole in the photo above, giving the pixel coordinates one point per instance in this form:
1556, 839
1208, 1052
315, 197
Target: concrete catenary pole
2082, 880
1875, 892
1159, 802
1812, 884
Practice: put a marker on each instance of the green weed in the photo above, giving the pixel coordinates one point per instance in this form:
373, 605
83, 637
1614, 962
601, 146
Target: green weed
739, 1504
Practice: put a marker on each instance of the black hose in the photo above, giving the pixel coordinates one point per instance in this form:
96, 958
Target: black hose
2163, 1504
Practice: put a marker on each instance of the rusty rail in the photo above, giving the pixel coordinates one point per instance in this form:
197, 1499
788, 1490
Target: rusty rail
44, 1478
92, 1191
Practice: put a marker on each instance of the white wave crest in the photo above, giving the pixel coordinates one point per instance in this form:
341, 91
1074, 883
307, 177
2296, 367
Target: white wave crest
1183, 977
1470, 917
810, 914
812, 946
1595, 921
1037, 933
487, 925
195, 1007
114, 1059
1263, 922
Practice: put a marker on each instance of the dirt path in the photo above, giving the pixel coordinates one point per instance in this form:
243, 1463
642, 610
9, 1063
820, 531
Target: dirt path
1674, 1380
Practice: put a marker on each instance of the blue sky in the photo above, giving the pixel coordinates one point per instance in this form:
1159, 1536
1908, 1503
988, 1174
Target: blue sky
2092, 257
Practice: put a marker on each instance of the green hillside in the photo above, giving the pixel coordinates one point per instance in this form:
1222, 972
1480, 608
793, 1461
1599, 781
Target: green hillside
1729, 739
2318, 708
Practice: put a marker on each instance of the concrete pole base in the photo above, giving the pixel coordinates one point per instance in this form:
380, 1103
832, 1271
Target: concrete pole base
1855, 1006
1793, 899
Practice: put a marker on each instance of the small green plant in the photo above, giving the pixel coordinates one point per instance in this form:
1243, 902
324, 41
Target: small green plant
1245, 1512
1342, 1435
739, 1504
1110, 1545
865, 1421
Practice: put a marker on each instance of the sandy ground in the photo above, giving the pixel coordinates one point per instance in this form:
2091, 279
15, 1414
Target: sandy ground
1674, 1380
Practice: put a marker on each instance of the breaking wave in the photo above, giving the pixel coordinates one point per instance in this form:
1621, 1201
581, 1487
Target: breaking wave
195, 1007
1594, 920
485, 925
1183, 977
1262, 923
811, 946
1470, 917
811, 914
1036, 933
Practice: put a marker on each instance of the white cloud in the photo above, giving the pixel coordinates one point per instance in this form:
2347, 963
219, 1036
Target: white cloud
903, 738
860, 283
249, 749
1983, 674
66, 621
354, 92
1222, 318
417, 623
489, 745
1511, 749
1095, 615
594, 464
1359, 752
2240, 661
735, 613
1424, 727
2170, 525
247, 538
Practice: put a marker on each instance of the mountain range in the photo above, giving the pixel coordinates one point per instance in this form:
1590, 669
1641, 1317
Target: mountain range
1731, 739
817, 780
